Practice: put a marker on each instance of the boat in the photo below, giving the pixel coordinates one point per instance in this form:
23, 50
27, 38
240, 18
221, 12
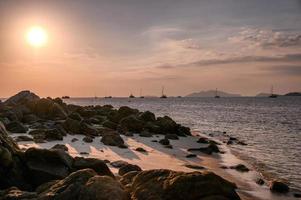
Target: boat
141, 94
216, 95
272, 95
131, 96
108, 97
163, 96
65, 97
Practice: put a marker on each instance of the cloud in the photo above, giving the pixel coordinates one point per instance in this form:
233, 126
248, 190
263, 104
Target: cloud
238, 59
266, 38
293, 70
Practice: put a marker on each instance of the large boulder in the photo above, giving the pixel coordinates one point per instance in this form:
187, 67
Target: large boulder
167, 125
122, 112
72, 126
168, 185
103, 188
112, 138
97, 165
279, 187
132, 123
15, 193
47, 108
68, 188
128, 168
147, 116
21, 98
46, 165
11, 165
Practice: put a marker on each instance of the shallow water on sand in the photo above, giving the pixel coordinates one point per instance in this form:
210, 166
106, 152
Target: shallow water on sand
270, 127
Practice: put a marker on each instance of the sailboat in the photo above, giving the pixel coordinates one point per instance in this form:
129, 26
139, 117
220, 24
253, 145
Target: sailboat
272, 95
131, 96
141, 94
216, 96
163, 96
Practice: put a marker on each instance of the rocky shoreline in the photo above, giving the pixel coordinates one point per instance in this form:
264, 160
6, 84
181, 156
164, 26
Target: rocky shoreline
35, 173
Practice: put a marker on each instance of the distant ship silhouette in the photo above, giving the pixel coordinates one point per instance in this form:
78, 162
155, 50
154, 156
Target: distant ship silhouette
163, 96
216, 96
272, 95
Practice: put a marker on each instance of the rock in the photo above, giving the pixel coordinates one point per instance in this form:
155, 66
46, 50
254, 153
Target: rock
24, 138
279, 187
16, 127
164, 141
72, 126
88, 139
75, 116
46, 134
30, 118
97, 165
46, 165
88, 130
109, 124
154, 141
14, 193
112, 139
83, 153
131, 123
119, 163
169, 146
260, 181
140, 149
183, 130
203, 140
74, 140
171, 137
167, 125
145, 134
47, 109
191, 156
70, 187
11, 166
129, 134
211, 148
128, 168
21, 98
60, 147
147, 116
127, 179
197, 167
297, 195
240, 168
168, 184
103, 188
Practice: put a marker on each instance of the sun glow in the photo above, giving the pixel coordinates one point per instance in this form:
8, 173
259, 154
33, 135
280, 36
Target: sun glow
37, 36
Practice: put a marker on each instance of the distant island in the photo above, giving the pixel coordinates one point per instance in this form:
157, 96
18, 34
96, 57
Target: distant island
212, 93
293, 94
290, 94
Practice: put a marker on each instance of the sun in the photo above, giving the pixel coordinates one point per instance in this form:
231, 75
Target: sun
36, 36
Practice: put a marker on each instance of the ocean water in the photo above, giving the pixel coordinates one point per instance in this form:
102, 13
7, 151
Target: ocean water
270, 127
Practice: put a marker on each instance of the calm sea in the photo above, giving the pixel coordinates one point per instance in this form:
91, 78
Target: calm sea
270, 127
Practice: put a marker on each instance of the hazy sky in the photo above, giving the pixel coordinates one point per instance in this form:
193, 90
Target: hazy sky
116, 47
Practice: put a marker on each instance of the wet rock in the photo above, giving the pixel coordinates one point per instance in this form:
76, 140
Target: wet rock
167, 184
74, 140
147, 116
88, 130
169, 146
240, 168
60, 147
46, 165
131, 123
197, 167
140, 149
24, 138
16, 127
171, 137
164, 141
167, 125
211, 148
88, 139
21, 98
127, 179
183, 131
297, 195
112, 139
99, 166
119, 163
191, 156
203, 140
46, 134
279, 187
128, 168
129, 134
